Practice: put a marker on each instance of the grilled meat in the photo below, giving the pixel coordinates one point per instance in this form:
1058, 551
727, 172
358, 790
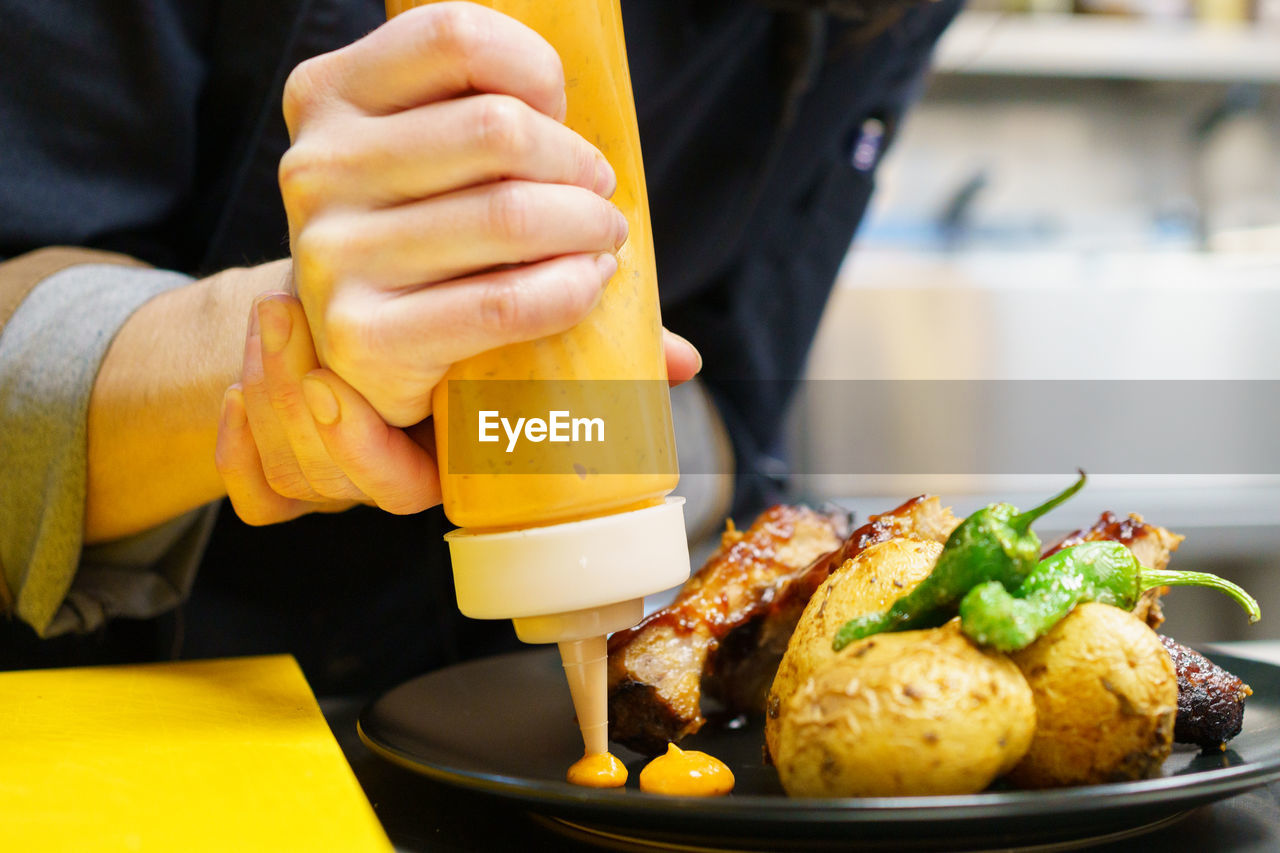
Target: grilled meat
744, 665
728, 628
656, 668
1210, 699
1152, 545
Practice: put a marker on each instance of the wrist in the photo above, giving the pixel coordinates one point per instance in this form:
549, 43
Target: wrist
153, 414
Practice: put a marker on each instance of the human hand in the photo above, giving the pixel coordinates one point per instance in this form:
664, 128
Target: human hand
437, 206
295, 438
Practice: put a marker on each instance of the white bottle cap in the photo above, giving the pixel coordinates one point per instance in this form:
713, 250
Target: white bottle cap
572, 584
577, 565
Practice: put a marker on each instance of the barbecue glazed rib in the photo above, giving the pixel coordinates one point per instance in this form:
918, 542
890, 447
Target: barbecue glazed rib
727, 629
656, 668
741, 671
1210, 699
1152, 545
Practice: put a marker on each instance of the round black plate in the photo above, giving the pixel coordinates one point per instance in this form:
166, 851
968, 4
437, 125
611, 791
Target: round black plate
505, 726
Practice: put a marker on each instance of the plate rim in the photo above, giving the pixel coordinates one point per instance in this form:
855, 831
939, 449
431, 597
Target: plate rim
1197, 787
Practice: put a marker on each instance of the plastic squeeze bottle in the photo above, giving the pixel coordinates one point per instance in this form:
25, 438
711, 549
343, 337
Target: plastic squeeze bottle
568, 549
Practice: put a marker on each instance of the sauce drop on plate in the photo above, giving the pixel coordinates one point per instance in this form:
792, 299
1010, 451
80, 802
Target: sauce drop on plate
598, 770
686, 773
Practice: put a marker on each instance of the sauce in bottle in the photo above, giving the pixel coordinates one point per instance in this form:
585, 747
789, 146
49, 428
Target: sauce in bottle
570, 554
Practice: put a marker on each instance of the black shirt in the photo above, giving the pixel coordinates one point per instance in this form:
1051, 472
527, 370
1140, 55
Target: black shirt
153, 127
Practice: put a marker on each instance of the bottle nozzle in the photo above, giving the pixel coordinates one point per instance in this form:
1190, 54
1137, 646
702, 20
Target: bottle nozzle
585, 663
580, 635
573, 584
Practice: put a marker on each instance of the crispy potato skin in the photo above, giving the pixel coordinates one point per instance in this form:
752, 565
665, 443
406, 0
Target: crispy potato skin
872, 581
905, 714
1106, 695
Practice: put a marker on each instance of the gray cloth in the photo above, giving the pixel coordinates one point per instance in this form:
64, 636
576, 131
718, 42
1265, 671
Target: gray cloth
50, 352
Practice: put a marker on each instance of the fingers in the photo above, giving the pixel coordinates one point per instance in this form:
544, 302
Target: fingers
237, 460
460, 234
278, 461
286, 356
436, 149
683, 359
399, 474
425, 55
295, 439
432, 327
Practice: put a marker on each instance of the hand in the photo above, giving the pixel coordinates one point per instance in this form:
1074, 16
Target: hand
428, 158
294, 438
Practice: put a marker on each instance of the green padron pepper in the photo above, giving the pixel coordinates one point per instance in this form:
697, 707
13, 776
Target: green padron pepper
994, 544
1106, 572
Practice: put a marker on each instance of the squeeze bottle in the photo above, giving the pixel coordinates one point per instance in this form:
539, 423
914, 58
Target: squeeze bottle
567, 550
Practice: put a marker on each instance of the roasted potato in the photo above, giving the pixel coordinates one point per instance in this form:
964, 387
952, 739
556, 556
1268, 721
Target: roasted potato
904, 714
870, 582
1106, 695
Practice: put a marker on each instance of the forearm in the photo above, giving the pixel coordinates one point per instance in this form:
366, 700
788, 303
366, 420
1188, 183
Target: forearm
153, 414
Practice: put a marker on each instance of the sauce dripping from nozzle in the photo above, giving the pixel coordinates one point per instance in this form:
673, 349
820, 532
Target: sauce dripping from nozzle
585, 662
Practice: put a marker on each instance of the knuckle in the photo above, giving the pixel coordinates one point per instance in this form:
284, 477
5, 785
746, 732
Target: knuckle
286, 401
287, 481
304, 91
346, 334
502, 308
510, 212
303, 176
334, 486
500, 127
322, 249
453, 31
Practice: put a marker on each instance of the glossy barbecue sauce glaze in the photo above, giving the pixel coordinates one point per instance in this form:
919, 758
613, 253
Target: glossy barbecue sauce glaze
722, 613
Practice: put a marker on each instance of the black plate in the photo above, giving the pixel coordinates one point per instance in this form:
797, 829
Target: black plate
504, 725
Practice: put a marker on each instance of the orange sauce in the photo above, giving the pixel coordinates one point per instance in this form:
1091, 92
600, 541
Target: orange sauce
621, 339
598, 770
686, 773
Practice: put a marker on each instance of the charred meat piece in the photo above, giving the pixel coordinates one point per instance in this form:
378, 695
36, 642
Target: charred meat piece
1152, 545
728, 628
656, 668
1210, 699
742, 669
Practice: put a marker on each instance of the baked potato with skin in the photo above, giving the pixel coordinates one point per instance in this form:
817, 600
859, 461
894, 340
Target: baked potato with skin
1106, 695
904, 714
870, 582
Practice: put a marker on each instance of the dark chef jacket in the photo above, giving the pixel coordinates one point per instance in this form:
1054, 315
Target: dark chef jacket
153, 128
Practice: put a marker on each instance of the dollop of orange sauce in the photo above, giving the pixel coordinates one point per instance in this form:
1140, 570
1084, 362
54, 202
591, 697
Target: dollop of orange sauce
686, 773
598, 770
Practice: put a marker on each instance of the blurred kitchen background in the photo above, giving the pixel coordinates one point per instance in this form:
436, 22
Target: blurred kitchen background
1087, 192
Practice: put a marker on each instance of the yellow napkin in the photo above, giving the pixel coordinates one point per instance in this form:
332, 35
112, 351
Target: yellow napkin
225, 755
